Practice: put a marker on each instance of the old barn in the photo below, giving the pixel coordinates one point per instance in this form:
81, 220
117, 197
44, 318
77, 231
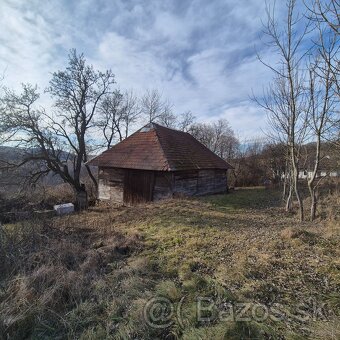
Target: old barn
157, 162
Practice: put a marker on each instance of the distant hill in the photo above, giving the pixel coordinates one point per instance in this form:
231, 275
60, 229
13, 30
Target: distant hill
11, 179
9, 153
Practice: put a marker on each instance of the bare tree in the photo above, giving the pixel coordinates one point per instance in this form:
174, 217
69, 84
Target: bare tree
248, 162
186, 120
152, 105
326, 15
117, 112
217, 136
274, 160
324, 85
61, 140
167, 117
132, 110
226, 143
285, 100
155, 109
111, 117
28, 129
276, 101
322, 108
204, 133
326, 11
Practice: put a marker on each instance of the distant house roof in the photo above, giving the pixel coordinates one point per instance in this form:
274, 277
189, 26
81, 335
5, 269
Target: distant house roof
155, 147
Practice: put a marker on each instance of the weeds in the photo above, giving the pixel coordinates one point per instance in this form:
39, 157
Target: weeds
90, 275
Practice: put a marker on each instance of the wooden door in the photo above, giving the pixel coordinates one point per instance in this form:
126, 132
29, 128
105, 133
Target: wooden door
138, 186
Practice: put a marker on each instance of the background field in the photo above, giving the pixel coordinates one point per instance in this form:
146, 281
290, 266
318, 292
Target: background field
90, 275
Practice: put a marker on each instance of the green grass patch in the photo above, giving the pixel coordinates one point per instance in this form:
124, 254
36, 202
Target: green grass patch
255, 198
91, 275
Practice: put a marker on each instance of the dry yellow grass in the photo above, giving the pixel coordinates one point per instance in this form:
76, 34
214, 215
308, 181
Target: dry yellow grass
89, 275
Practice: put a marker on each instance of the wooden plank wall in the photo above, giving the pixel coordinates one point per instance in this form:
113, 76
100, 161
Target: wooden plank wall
211, 182
111, 184
185, 183
166, 185
138, 186
200, 182
163, 185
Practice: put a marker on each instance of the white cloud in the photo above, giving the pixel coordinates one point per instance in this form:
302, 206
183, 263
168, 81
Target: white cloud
246, 120
199, 54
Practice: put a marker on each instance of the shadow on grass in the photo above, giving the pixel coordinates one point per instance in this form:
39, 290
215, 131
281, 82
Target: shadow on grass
248, 198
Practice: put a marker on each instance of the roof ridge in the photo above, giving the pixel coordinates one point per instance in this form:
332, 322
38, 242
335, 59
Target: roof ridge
166, 127
204, 146
169, 167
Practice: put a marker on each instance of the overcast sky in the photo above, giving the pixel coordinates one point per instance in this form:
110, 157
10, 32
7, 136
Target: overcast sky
200, 54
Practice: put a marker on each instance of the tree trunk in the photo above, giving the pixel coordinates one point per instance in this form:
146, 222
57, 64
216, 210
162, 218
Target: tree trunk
81, 198
313, 201
289, 197
311, 186
92, 176
297, 192
312, 193
286, 182
284, 191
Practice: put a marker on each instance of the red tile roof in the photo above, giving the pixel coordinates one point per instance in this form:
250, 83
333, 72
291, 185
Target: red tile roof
155, 147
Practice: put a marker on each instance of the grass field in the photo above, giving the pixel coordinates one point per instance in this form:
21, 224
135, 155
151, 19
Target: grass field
230, 266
